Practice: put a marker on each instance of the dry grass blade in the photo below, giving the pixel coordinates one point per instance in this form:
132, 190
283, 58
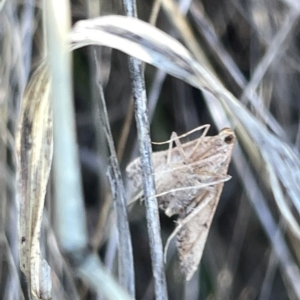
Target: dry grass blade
126, 268
138, 39
34, 147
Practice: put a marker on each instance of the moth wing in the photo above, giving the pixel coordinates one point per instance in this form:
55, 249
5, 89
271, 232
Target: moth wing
191, 238
134, 176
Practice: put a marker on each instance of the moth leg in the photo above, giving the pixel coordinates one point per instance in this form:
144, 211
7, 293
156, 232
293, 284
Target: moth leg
184, 221
136, 198
199, 140
170, 148
175, 138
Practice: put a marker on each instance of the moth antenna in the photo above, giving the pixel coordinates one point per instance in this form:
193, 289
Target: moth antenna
183, 135
174, 137
200, 186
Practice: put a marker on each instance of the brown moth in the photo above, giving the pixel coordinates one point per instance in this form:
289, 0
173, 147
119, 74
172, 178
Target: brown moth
34, 147
189, 180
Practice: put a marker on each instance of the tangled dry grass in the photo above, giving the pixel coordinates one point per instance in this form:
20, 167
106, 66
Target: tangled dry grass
238, 68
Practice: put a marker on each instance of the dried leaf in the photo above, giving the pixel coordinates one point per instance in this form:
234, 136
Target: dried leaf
189, 180
34, 146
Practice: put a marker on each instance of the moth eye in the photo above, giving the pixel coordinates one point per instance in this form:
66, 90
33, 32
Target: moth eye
228, 139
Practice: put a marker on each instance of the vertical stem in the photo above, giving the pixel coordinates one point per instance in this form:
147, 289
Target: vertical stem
126, 269
69, 206
139, 96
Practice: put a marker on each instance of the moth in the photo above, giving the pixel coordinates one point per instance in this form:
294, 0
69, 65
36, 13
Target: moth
189, 180
34, 148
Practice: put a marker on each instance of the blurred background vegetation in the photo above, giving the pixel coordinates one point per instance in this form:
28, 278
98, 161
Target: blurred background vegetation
239, 260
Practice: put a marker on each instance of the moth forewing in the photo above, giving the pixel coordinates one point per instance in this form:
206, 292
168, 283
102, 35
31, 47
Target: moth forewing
191, 239
189, 180
192, 234
193, 228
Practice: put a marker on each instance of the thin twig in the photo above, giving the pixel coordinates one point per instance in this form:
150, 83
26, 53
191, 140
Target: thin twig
143, 128
126, 270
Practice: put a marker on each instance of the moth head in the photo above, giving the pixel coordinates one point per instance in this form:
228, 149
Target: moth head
227, 135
